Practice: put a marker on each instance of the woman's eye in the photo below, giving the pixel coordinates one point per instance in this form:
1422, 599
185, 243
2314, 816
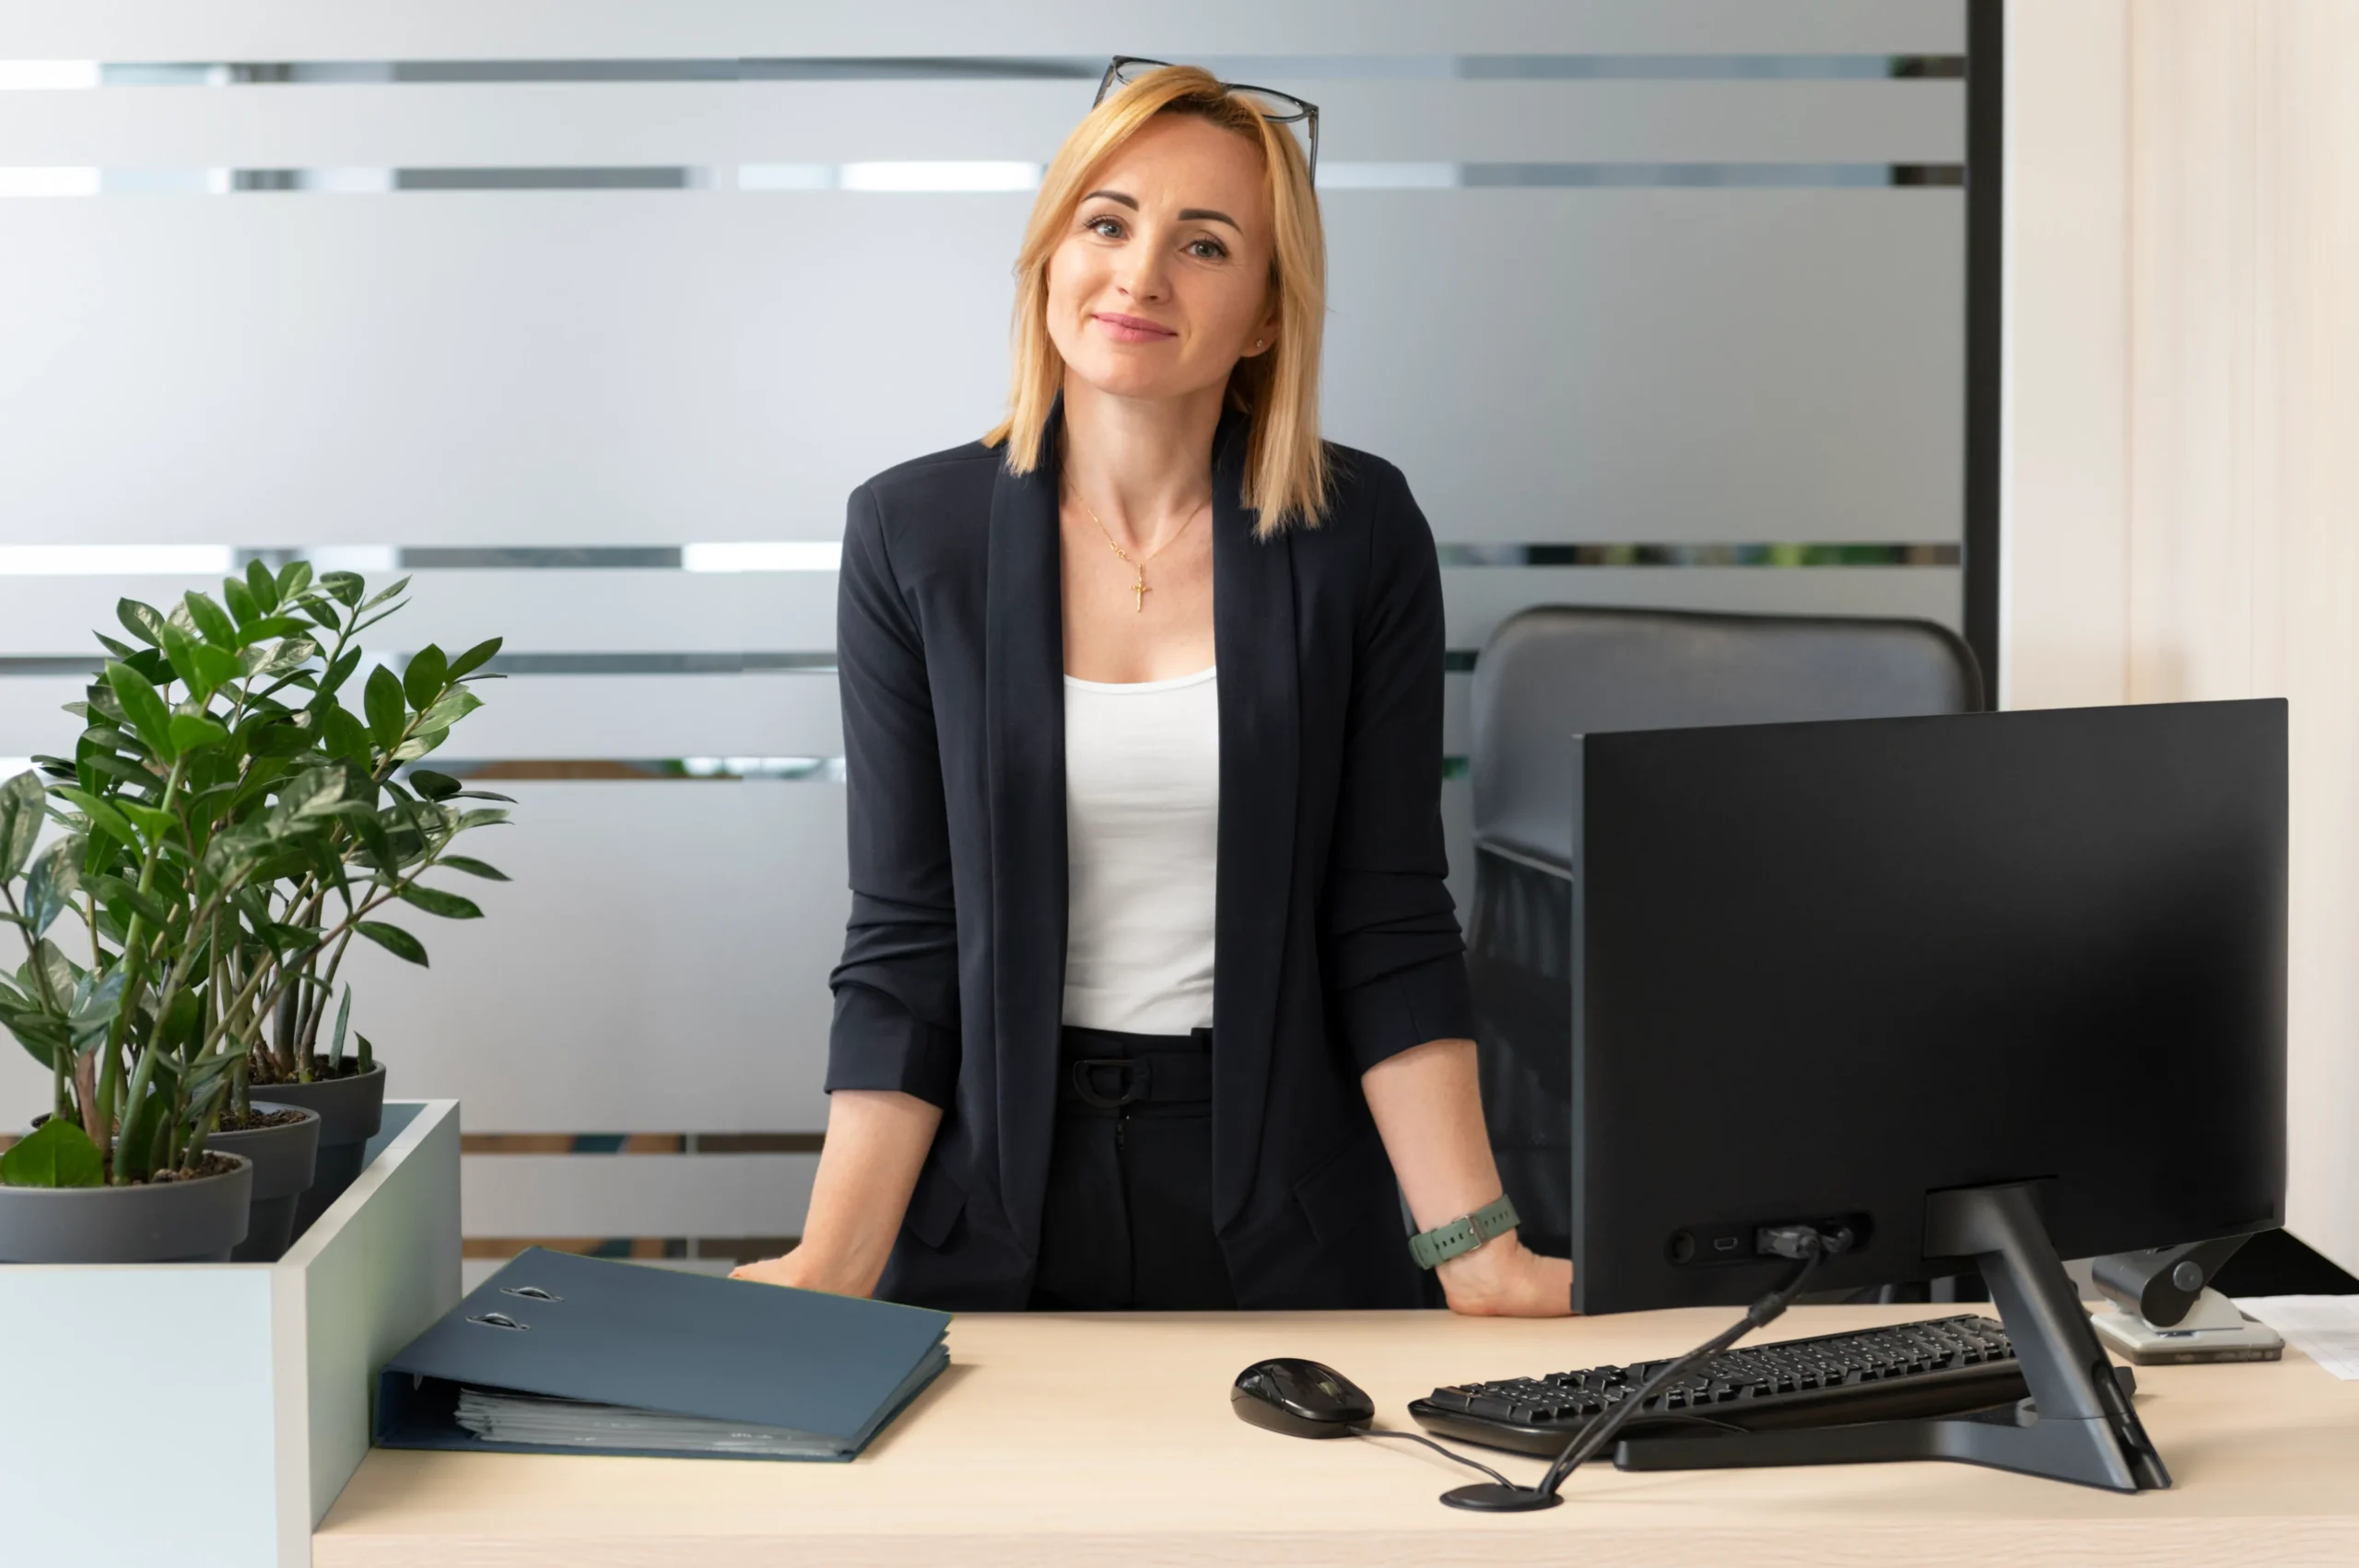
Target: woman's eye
1105, 228
1207, 250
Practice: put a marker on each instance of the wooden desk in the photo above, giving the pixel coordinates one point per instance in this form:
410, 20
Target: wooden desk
1109, 1441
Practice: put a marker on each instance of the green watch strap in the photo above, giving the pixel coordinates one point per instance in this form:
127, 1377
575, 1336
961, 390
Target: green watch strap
1464, 1234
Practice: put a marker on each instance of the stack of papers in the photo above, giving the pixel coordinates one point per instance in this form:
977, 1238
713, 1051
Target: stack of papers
2325, 1329
498, 1416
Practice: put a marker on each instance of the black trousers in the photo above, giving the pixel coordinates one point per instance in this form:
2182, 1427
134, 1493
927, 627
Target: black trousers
1127, 1223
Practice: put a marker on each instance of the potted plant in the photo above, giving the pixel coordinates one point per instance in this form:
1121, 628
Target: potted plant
225, 828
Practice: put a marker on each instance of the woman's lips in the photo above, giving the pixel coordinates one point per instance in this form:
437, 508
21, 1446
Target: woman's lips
1131, 329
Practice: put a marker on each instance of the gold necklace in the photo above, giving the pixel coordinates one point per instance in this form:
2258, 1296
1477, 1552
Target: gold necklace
1138, 565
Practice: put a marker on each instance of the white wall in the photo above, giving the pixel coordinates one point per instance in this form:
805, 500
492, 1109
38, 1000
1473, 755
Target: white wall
2183, 497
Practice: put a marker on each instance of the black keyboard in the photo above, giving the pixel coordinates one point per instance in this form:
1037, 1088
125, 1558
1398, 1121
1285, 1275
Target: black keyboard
1942, 1367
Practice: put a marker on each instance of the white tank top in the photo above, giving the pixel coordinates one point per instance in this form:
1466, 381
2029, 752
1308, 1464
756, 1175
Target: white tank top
1142, 840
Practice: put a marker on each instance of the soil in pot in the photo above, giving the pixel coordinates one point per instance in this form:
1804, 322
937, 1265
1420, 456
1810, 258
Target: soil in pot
174, 1217
351, 1107
284, 1144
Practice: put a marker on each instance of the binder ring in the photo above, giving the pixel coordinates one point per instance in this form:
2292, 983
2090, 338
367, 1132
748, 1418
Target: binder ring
500, 1320
533, 1293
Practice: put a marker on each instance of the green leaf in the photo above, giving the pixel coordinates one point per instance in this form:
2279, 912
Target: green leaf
101, 814
117, 893
434, 901
422, 681
293, 577
62, 980
141, 621
339, 672
41, 1036
144, 708
56, 1153
450, 710
240, 601
474, 658
433, 785
190, 731
417, 745
347, 587
179, 652
211, 619
373, 837
487, 817
292, 653
335, 1040
271, 626
472, 867
394, 940
56, 877
279, 737
383, 594
288, 939
262, 585
120, 649
219, 666
315, 791
386, 710
343, 735
24, 806
154, 824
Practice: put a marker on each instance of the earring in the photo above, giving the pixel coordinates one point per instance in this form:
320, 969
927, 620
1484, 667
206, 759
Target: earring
1257, 343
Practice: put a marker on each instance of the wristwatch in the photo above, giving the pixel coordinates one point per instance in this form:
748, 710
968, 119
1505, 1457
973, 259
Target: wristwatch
1465, 1232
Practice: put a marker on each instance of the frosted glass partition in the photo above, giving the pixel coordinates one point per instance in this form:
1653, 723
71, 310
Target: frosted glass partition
588, 316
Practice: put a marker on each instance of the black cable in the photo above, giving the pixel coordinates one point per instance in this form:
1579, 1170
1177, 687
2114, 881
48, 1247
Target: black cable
1812, 1246
1445, 1452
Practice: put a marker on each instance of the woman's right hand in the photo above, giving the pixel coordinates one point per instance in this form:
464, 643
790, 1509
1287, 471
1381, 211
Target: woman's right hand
803, 1269
877, 1144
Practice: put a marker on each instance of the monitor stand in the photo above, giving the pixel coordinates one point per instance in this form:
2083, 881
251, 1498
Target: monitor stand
2078, 1424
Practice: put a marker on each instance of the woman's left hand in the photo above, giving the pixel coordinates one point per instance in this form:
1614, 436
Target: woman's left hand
1501, 1279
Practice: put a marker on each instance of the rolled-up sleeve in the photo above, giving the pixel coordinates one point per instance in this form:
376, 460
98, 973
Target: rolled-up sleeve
1396, 959
895, 1022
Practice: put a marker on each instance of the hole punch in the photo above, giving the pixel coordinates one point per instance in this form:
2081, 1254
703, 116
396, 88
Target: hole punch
533, 1293
500, 1320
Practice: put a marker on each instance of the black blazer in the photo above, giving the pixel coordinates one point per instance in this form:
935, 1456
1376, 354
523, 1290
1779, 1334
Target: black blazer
1335, 939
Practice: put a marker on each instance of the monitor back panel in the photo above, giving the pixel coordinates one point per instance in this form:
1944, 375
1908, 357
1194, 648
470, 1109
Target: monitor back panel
1823, 970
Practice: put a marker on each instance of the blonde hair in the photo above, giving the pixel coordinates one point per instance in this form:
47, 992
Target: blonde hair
1286, 470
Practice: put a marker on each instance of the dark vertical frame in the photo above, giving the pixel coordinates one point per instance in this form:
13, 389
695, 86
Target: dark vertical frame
1986, 81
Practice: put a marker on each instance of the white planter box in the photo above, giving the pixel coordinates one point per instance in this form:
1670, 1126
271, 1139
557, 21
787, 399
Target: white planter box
204, 1413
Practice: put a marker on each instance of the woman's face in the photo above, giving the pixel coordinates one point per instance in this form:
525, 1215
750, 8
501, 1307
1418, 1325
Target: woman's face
1162, 280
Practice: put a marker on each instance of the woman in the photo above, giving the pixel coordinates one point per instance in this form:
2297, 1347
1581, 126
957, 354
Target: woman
1150, 966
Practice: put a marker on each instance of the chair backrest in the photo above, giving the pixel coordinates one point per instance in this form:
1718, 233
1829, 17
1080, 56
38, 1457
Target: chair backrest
1551, 673
1555, 672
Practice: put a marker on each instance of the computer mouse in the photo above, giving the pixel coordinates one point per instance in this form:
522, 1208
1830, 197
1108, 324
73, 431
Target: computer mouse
1300, 1399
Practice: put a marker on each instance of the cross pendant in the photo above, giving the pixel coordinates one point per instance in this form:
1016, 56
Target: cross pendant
1138, 591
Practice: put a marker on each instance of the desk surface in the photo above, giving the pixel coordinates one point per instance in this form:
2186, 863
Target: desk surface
1108, 1439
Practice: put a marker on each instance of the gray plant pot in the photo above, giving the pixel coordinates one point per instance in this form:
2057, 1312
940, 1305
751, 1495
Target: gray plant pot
351, 1110
284, 1160
172, 1221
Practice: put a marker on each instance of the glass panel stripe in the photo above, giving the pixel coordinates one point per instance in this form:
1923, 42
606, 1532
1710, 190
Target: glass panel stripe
72, 75
823, 555
919, 176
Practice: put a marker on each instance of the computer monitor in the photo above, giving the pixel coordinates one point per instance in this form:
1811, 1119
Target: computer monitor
1948, 981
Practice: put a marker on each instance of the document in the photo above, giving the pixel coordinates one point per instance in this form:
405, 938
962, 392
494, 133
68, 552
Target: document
499, 1416
2325, 1329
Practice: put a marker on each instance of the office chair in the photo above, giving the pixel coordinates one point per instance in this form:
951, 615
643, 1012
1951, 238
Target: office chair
1553, 672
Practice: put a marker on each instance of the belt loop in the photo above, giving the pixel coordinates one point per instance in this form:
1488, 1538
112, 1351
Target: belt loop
1137, 1080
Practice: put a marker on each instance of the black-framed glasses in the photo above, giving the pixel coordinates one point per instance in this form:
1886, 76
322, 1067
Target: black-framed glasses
1283, 108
